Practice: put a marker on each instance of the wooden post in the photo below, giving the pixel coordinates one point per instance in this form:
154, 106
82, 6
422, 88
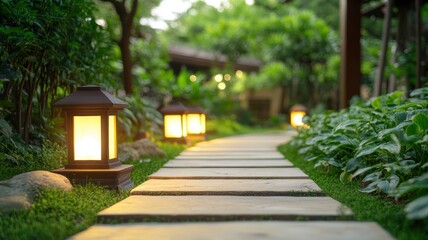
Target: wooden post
418, 42
350, 52
382, 59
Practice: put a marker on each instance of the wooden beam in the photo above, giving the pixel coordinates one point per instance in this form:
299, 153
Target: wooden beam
418, 43
382, 59
350, 51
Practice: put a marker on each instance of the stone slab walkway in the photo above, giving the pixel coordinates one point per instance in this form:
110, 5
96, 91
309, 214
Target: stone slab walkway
249, 230
244, 187
220, 163
229, 173
240, 180
225, 157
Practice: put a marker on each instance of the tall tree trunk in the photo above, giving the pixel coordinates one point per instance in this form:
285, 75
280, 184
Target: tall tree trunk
126, 21
127, 65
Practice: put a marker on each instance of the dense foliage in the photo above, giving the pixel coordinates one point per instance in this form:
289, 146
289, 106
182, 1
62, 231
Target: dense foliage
390, 215
297, 48
46, 49
383, 143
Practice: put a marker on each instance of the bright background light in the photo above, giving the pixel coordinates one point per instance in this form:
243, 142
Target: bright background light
221, 86
169, 10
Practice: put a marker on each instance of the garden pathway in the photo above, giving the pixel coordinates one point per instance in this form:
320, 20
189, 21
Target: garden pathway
230, 188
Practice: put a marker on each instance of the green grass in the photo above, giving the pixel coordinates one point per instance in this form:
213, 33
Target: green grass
388, 214
144, 167
57, 214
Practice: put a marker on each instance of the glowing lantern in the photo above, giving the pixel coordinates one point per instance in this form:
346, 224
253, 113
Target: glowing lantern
175, 123
196, 118
297, 112
91, 124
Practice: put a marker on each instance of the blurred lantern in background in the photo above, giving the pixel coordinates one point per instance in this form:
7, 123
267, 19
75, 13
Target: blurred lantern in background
90, 115
297, 112
196, 118
175, 123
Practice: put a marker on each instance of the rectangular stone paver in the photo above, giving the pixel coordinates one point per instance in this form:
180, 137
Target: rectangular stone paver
272, 230
228, 163
232, 149
236, 187
218, 153
243, 157
217, 208
229, 173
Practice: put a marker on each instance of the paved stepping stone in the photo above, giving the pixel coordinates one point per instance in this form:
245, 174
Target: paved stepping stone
227, 163
214, 157
237, 187
218, 208
229, 173
231, 149
228, 154
256, 230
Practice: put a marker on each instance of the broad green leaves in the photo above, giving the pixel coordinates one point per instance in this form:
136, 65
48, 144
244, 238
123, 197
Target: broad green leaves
383, 143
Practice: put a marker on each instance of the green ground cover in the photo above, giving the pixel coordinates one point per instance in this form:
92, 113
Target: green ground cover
379, 147
389, 214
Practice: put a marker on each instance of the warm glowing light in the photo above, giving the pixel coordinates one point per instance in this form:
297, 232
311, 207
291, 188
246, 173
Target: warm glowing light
174, 127
227, 77
218, 78
192, 78
194, 123
239, 74
112, 138
297, 118
203, 123
101, 22
87, 137
221, 86
184, 125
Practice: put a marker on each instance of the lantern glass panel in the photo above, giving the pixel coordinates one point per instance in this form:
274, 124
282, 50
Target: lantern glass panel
297, 119
87, 137
173, 126
202, 123
184, 122
112, 138
194, 124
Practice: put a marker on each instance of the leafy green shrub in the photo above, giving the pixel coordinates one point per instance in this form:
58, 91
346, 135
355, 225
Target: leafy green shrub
140, 115
46, 49
383, 143
16, 156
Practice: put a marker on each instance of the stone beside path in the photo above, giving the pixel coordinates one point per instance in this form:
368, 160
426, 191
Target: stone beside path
230, 188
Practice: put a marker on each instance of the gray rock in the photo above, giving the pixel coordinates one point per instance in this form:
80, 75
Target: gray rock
143, 148
20, 191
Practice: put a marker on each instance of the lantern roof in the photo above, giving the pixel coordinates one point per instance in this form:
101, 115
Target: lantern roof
299, 107
174, 108
195, 109
90, 96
